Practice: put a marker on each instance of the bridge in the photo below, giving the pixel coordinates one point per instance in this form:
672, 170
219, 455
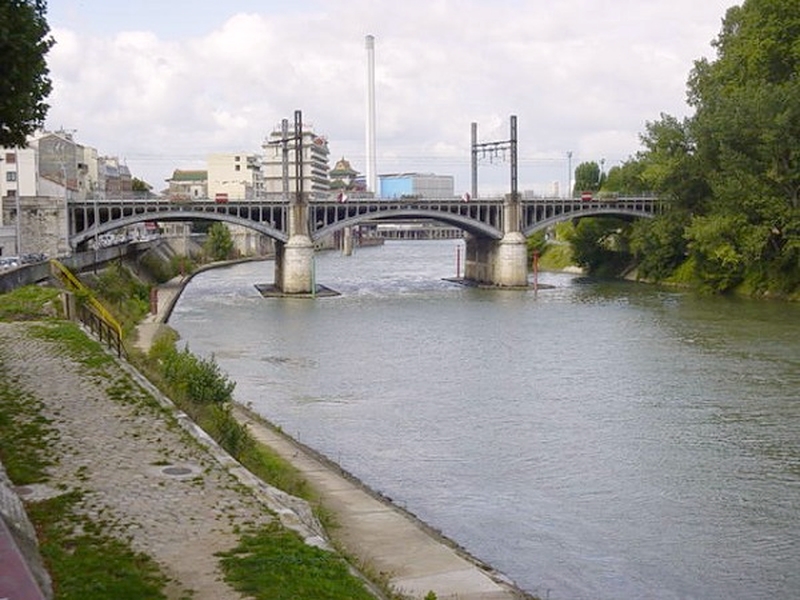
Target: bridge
497, 228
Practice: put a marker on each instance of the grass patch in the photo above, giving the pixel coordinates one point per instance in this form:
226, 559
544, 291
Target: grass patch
29, 303
272, 563
25, 435
87, 564
75, 343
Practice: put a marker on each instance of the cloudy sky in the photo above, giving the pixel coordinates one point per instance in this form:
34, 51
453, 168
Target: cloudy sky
162, 84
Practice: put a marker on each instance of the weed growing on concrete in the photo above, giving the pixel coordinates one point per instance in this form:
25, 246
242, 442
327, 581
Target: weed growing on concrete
273, 563
25, 434
85, 562
76, 344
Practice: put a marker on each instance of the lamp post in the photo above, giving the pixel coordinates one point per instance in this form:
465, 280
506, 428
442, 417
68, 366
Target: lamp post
17, 206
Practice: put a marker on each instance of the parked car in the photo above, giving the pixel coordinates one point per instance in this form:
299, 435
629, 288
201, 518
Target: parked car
9, 262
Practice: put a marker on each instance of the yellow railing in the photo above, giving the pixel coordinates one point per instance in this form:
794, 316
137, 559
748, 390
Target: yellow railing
99, 312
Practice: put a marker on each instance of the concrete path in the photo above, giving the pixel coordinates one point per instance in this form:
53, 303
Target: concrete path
390, 541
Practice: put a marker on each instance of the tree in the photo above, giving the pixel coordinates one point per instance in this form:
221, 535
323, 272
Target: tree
747, 127
219, 243
732, 170
24, 80
599, 245
587, 177
670, 166
626, 179
137, 185
659, 244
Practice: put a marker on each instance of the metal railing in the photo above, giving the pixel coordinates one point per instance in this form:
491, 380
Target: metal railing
90, 310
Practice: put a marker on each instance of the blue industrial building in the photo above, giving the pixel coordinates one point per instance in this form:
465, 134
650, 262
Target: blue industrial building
416, 185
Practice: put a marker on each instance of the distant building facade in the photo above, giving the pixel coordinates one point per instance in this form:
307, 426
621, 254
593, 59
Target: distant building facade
416, 185
36, 184
188, 184
315, 152
236, 176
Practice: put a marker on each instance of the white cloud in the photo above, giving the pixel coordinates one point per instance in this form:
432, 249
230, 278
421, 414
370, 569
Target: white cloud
580, 77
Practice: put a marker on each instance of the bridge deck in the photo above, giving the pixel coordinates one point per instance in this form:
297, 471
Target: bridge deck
481, 217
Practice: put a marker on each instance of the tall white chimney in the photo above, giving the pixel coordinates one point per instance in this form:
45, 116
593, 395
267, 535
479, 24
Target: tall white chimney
372, 176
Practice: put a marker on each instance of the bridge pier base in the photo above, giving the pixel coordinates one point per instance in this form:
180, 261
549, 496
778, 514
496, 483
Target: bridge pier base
347, 241
294, 265
502, 263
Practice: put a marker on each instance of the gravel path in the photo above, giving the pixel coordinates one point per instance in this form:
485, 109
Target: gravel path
157, 485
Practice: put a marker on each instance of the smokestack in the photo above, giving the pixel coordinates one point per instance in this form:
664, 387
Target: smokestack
372, 176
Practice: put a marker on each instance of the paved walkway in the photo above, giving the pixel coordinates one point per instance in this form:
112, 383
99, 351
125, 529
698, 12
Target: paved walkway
166, 493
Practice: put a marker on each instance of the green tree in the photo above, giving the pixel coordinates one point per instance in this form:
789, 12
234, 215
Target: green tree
137, 185
732, 170
599, 245
747, 127
24, 80
659, 244
670, 167
587, 178
626, 179
219, 243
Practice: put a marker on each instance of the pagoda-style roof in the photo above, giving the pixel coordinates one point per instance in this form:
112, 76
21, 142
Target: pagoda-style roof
342, 168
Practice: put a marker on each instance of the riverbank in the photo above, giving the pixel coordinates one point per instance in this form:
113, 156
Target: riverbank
377, 535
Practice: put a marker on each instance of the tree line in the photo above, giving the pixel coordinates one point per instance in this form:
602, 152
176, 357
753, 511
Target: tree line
731, 171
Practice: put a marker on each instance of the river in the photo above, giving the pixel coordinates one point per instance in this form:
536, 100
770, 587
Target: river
591, 441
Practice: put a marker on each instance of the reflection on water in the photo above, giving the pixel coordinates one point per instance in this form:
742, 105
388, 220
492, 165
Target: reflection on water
590, 441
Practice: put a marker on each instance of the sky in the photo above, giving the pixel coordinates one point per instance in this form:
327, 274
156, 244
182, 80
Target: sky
162, 84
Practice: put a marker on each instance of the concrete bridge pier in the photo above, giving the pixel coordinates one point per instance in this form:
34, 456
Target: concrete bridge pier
511, 261
294, 265
347, 241
502, 263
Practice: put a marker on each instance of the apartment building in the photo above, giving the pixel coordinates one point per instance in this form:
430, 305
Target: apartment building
235, 176
315, 153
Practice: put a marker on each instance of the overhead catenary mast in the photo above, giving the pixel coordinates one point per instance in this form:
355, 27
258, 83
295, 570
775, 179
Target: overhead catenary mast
372, 177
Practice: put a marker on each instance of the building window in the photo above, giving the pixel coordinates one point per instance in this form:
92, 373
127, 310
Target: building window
11, 175
11, 158
238, 167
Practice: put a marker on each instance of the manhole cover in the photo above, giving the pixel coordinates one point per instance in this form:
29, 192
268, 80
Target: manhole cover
23, 491
176, 471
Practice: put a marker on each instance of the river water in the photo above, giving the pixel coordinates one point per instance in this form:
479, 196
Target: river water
590, 441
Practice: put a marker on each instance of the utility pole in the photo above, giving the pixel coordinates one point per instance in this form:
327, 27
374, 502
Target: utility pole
496, 150
284, 142
569, 174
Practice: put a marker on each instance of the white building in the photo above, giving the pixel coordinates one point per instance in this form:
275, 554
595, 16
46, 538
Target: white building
235, 176
37, 183
315, 152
